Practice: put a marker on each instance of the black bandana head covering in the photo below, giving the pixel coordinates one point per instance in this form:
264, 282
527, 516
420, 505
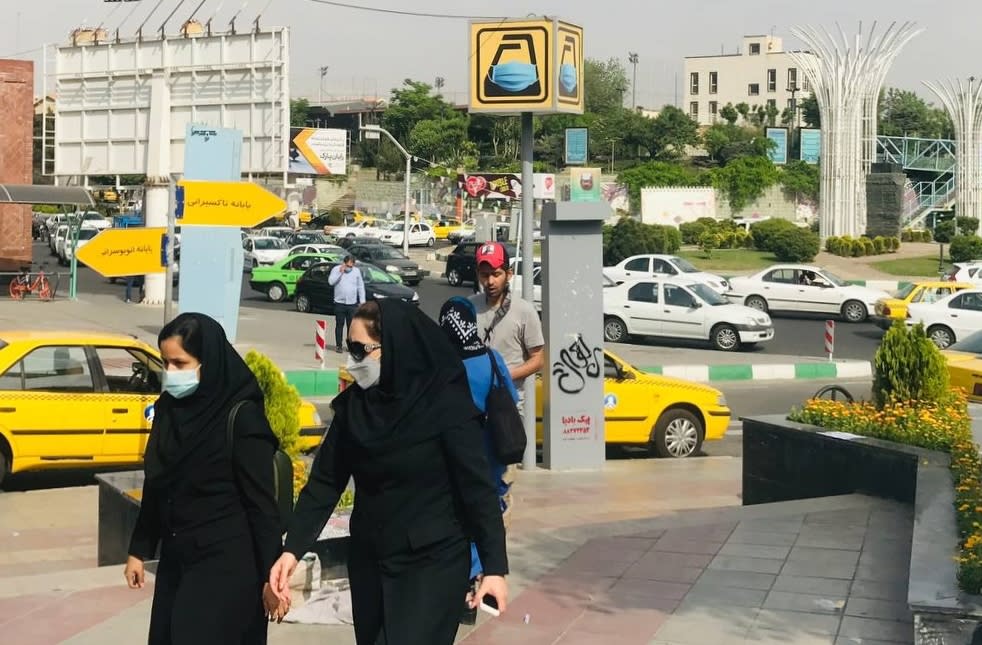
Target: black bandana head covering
458, 318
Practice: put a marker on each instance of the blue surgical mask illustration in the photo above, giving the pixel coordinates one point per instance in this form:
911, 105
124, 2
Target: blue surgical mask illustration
567, 76
514, 76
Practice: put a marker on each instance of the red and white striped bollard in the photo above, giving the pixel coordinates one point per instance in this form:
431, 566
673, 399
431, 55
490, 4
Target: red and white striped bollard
829, 338
320, 341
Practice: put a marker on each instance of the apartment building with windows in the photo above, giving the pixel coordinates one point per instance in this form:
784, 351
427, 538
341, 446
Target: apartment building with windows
760, 74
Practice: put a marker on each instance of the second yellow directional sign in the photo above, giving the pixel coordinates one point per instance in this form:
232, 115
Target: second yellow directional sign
225, 203
118, 252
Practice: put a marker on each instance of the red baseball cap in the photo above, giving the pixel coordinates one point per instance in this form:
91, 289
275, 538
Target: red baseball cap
493, 254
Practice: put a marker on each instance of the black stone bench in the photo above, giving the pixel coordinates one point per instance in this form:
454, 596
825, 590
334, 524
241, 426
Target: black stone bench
784, 460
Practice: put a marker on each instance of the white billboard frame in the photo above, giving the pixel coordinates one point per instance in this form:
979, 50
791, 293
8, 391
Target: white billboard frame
231, 80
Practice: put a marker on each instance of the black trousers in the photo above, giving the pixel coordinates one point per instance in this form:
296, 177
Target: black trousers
342, 320
208, 595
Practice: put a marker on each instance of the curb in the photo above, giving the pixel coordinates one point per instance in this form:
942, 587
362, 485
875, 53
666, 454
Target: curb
324, 383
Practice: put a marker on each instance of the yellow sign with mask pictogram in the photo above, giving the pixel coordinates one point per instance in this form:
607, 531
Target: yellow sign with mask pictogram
526, 65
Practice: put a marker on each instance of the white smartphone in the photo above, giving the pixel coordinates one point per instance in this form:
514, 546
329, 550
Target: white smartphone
489, 605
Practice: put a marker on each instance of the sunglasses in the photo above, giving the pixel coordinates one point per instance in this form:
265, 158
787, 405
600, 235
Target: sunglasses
360, 350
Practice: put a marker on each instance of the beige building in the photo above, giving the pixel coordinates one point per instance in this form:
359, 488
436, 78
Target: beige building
760, 74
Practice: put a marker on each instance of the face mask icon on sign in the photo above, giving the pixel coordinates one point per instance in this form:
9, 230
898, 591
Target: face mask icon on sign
568, 78
515, 77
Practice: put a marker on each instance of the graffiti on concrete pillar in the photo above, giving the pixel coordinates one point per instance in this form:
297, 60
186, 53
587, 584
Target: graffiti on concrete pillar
577, 363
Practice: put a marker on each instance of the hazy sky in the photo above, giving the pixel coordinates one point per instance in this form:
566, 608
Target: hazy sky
371, 51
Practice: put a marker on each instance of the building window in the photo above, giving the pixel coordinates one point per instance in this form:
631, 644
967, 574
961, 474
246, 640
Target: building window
793, 79
694, 83
713, 82
772, 80
753, 89
805, 85
694, 109
755, 49
713, 110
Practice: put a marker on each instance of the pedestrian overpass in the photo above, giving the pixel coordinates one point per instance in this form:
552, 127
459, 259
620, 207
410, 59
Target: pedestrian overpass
930, 158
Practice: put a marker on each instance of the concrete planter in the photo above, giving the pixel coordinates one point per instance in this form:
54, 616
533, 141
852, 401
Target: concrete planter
784, 460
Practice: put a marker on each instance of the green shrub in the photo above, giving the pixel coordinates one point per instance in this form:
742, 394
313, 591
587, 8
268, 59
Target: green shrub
857, 249
965, 247
894, 244
868, 247
282, 401
692, 231
709, 242
764, 232
795, 245
879, 244
833, 244
908, 366
630, 237
967, 225
944, 231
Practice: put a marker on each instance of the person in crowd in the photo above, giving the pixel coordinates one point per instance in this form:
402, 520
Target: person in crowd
410, 436
209, 506
349, 292
459, 321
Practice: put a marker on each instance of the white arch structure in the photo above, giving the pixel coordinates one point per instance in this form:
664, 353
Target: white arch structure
846, 78
964, 104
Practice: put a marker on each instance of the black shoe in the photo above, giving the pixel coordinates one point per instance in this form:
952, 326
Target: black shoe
338, 350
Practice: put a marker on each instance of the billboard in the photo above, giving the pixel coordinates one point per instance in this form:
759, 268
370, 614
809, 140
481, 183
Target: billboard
227, 80
811, 145
577, 142
490, 185
779, 152
316, 151
584, 185
674, 206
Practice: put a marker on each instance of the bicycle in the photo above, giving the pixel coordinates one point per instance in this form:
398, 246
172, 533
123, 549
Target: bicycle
26, 283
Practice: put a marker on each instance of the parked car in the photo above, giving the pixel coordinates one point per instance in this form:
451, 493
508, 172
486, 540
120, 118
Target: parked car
648, 266
686, 309
279, 281
516, 285
419, 234
261, 251
316, 248
950, 319
670, 416
281, 232
314, 293
364, 228
803, 288
890, 310
57, 240
96, 220
461, 266
83, 400
389, 259
348, 242
443, 228
966, 272
307, 237
965, 365
85, 234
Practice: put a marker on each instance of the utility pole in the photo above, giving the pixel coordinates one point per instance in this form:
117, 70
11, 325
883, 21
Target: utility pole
632, 57
440, 82
409, 171
323, 71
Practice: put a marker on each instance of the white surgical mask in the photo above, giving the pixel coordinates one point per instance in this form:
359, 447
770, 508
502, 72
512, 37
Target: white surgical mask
366, 372
181, 383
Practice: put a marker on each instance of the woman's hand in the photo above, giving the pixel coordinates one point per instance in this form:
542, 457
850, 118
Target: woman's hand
492, 586
279, 575
134, 573
276, 608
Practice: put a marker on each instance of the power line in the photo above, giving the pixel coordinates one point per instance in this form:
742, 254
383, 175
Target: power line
397, 12
26, 51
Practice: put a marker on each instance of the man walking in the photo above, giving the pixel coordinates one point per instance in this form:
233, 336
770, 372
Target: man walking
349, 293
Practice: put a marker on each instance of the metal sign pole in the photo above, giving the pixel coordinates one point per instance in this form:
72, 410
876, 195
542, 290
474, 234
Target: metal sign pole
74, 224
169, 258
527, 236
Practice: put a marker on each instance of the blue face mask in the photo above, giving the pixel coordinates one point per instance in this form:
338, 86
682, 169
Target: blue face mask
567, 76
180, 383
514, 77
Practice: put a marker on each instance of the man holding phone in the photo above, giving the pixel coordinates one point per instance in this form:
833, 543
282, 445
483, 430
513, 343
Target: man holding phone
349, 293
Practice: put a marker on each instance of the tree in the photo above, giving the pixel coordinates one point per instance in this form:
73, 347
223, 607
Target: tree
810, 113
409, 105
282, 401
299, 110
656, 174
743, 109
498, 138
725, 142
744, 179
444, 141
801, 179
630, 237
729, 114
604, 84
904, 113
672, 131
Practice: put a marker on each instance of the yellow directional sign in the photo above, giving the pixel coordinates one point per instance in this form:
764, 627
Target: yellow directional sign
526, 65
225, 203
118, 252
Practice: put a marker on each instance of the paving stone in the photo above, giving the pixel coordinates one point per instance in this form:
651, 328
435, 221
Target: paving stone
812, 585
684, 559
650, 588
736, 563
855, 517
883, 609
640, 622
664, 572
841, 570
895, 575
825, 538
740, 579
796, 622
683, 545
709, 595
890, 630
816, 604
781, 637
746, 536
705, 626
755, 551
706, 533
855, 640
783, 525
878, 590
816, 555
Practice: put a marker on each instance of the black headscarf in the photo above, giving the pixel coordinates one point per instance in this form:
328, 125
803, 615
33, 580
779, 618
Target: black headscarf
458, 319
422, 389
198, 422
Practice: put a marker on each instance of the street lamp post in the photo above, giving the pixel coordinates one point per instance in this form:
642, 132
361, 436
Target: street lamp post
632, 57
409, 169
323, 71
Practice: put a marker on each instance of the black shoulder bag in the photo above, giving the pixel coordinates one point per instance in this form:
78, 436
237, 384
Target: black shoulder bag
503, 420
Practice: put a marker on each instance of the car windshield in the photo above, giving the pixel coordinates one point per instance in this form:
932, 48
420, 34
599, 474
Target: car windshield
684, 265
93, 216
711, 297
309, 238
834, 279
397, 227
903, 292
387, 253
970, 344
87, 233
373, 274
268, 244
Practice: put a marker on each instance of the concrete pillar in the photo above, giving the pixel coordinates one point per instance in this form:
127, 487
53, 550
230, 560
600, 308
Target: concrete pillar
156, 201
16, 159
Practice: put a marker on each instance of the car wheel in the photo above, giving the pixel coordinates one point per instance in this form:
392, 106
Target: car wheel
757, 302
303, 304
941, 336
430, 242
453, 277
4, 461
276, 292
678, 434
725, 338
854, 311
615, 331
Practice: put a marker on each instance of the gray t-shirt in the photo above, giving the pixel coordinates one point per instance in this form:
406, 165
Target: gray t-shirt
519, 331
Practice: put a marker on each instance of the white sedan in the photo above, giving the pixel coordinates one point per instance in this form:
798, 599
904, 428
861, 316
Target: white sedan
304, 249
260, 251
419, 235
950, 319
657, 266
680, 308
802, 288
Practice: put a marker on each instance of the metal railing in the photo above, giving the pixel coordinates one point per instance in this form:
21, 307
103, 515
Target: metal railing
7, 277
913, 153
928, 196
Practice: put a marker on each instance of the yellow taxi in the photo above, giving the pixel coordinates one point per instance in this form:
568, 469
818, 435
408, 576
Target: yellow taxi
670, 415
965, 365
889, 310
70, 400
442, 228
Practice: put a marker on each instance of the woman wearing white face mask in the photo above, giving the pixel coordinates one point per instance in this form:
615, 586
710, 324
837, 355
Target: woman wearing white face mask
209, 506
410, 436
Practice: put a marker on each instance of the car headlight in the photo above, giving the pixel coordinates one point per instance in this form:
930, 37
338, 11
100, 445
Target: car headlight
721, 400
763, 320
415, 297
380, 296
391, 269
